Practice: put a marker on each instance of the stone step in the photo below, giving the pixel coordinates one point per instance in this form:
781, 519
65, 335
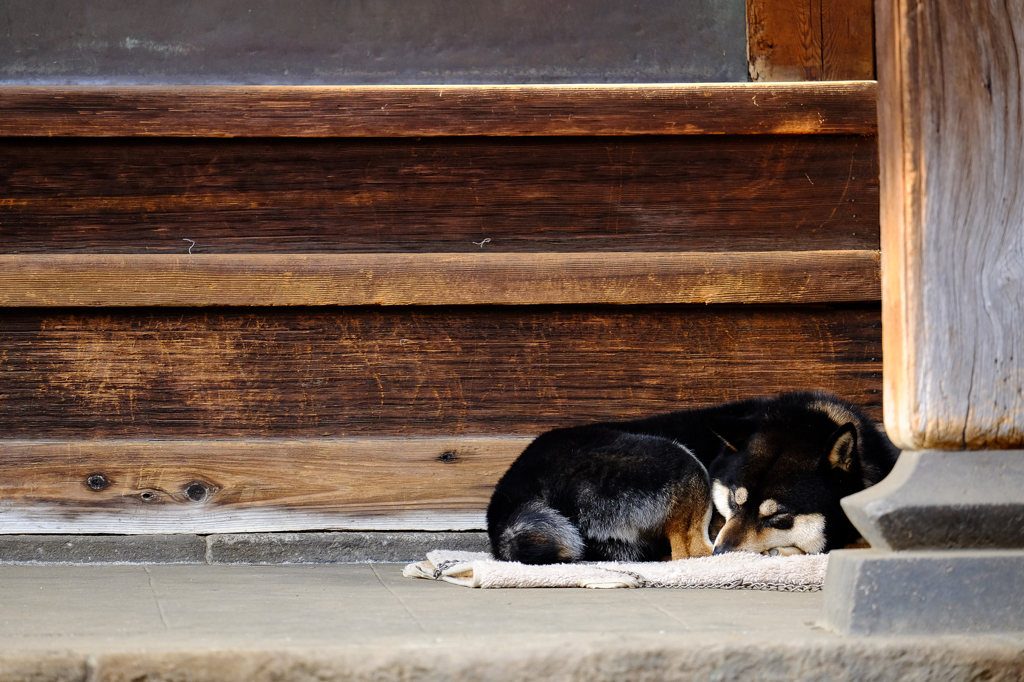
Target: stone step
366, 622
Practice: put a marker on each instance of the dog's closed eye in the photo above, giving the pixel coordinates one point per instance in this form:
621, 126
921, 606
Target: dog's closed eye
780, 520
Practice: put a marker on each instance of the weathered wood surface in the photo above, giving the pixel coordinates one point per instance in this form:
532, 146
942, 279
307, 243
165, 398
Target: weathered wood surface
417, 111
418, 371
952, 150
797, 40
847, 40
440, 279
696, 193
246, 486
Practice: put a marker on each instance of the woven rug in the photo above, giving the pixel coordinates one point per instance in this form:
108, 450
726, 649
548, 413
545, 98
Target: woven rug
732, 571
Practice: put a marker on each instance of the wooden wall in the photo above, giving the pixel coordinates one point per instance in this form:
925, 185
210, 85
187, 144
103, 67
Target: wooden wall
271, 308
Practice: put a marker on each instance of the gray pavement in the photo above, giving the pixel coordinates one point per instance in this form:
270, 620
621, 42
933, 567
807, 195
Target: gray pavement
366, 622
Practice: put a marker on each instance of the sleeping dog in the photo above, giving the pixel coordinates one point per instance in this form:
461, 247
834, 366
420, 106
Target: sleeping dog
763, 475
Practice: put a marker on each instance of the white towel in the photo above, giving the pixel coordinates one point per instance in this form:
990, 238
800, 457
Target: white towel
731, 571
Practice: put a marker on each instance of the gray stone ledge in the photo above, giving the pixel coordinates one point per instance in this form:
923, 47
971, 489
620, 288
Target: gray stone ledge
347, 547
964, 592
234, 548
103, 549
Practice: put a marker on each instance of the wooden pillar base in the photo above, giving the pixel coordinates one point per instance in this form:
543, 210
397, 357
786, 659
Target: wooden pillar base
947, 536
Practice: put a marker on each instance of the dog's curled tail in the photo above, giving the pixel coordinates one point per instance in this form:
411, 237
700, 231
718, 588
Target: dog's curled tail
537, 534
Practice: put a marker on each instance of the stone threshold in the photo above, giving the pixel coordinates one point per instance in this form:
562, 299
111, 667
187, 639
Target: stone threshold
348, 622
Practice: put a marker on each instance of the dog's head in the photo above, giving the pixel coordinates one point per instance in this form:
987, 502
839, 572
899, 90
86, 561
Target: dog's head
781, 475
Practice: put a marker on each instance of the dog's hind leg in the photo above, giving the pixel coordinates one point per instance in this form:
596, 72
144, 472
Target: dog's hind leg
687, 524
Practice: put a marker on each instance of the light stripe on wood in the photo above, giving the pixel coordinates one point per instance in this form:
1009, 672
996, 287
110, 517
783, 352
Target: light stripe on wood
438, 279
248, 486
846, 107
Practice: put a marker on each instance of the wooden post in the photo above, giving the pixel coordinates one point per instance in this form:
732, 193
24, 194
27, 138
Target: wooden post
951, 147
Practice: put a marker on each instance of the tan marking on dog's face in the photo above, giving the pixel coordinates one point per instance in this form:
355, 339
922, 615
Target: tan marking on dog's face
720, 495
741, 534
740, 496
768, 507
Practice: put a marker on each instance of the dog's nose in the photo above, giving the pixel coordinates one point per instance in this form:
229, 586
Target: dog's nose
719, 550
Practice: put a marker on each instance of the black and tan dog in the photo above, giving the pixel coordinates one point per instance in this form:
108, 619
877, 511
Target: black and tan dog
763, 475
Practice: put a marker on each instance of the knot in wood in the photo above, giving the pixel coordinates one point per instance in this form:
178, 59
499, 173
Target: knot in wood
196, 491
448, 456
96, 481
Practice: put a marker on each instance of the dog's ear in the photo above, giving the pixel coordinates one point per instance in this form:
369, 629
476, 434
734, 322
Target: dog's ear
842, 447
733, 431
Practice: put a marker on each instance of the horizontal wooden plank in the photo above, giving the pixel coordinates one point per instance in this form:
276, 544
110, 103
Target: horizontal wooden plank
214, 373
440, 279
418, 111
248, 486
684, 193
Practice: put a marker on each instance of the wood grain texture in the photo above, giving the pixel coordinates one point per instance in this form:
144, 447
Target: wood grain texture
417, 111
247, 486
847, 40
695, 193
952, 151
424, 371
810, 40
784, 40
440, 279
